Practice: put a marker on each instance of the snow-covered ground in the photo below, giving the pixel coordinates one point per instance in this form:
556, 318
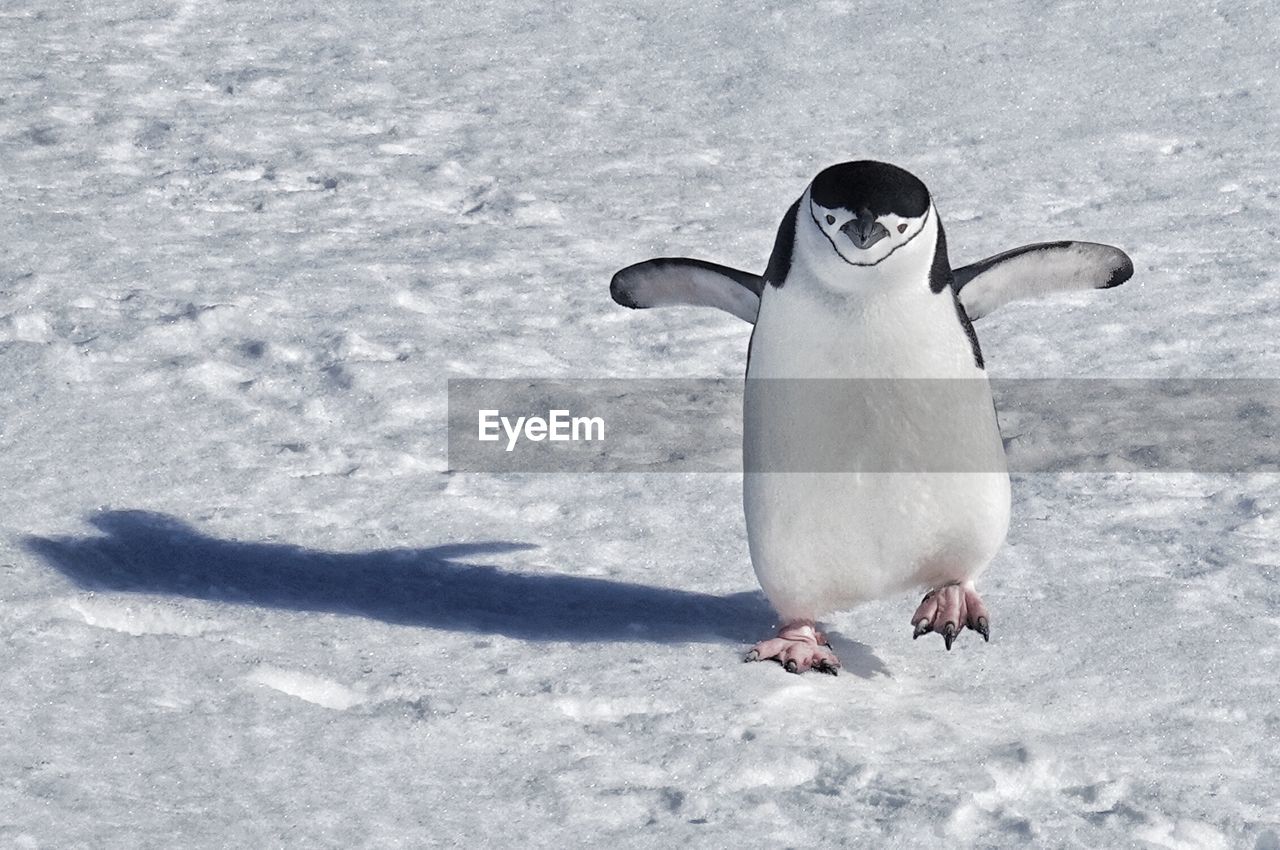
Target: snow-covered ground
242, 247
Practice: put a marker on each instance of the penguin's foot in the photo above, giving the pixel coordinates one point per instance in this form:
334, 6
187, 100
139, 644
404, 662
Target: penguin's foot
950, 608
798, 647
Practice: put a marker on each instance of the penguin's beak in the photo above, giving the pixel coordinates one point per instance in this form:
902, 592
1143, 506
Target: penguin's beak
864, 231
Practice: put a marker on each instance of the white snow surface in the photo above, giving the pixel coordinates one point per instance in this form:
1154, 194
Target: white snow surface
242, 247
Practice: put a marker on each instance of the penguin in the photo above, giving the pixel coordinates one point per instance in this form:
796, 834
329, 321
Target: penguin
865, 384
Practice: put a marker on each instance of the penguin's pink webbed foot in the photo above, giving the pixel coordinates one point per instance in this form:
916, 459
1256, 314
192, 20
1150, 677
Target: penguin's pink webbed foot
950, 608
798, 647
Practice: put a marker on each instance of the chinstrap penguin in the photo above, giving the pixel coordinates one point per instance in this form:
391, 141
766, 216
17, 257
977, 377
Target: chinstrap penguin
859, 288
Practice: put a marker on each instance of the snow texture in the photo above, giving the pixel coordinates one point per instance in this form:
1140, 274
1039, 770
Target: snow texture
242, 247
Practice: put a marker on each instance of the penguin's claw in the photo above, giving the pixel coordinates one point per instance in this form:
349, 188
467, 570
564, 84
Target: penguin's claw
798, 647
948, 610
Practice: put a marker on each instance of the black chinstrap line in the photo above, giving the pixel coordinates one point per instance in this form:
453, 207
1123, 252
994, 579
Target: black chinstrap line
836, 247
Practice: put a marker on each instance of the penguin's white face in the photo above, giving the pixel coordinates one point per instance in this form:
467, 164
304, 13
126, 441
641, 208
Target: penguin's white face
863, 238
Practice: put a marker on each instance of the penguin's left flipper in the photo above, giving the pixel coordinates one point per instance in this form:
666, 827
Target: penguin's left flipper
669, 281
1040, 269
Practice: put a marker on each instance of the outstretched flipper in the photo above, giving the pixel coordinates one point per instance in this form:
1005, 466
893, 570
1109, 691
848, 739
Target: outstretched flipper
1040, 269
668, 281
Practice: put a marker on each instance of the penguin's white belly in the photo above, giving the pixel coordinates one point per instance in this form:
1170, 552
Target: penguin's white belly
827, 540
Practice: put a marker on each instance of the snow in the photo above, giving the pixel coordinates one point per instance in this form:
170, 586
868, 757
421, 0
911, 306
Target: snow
244, 247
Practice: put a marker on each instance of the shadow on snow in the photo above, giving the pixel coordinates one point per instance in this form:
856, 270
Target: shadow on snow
143, 552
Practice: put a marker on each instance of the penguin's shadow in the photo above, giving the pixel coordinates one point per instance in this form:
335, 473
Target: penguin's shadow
438, 587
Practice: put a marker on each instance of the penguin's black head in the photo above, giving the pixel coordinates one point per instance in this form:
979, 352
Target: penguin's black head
868, 210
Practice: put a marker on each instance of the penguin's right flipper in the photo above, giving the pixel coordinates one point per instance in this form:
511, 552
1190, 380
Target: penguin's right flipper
1039, 269
669, 281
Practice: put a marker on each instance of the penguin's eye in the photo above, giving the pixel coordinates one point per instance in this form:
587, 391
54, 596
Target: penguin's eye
902, 228
831, 219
